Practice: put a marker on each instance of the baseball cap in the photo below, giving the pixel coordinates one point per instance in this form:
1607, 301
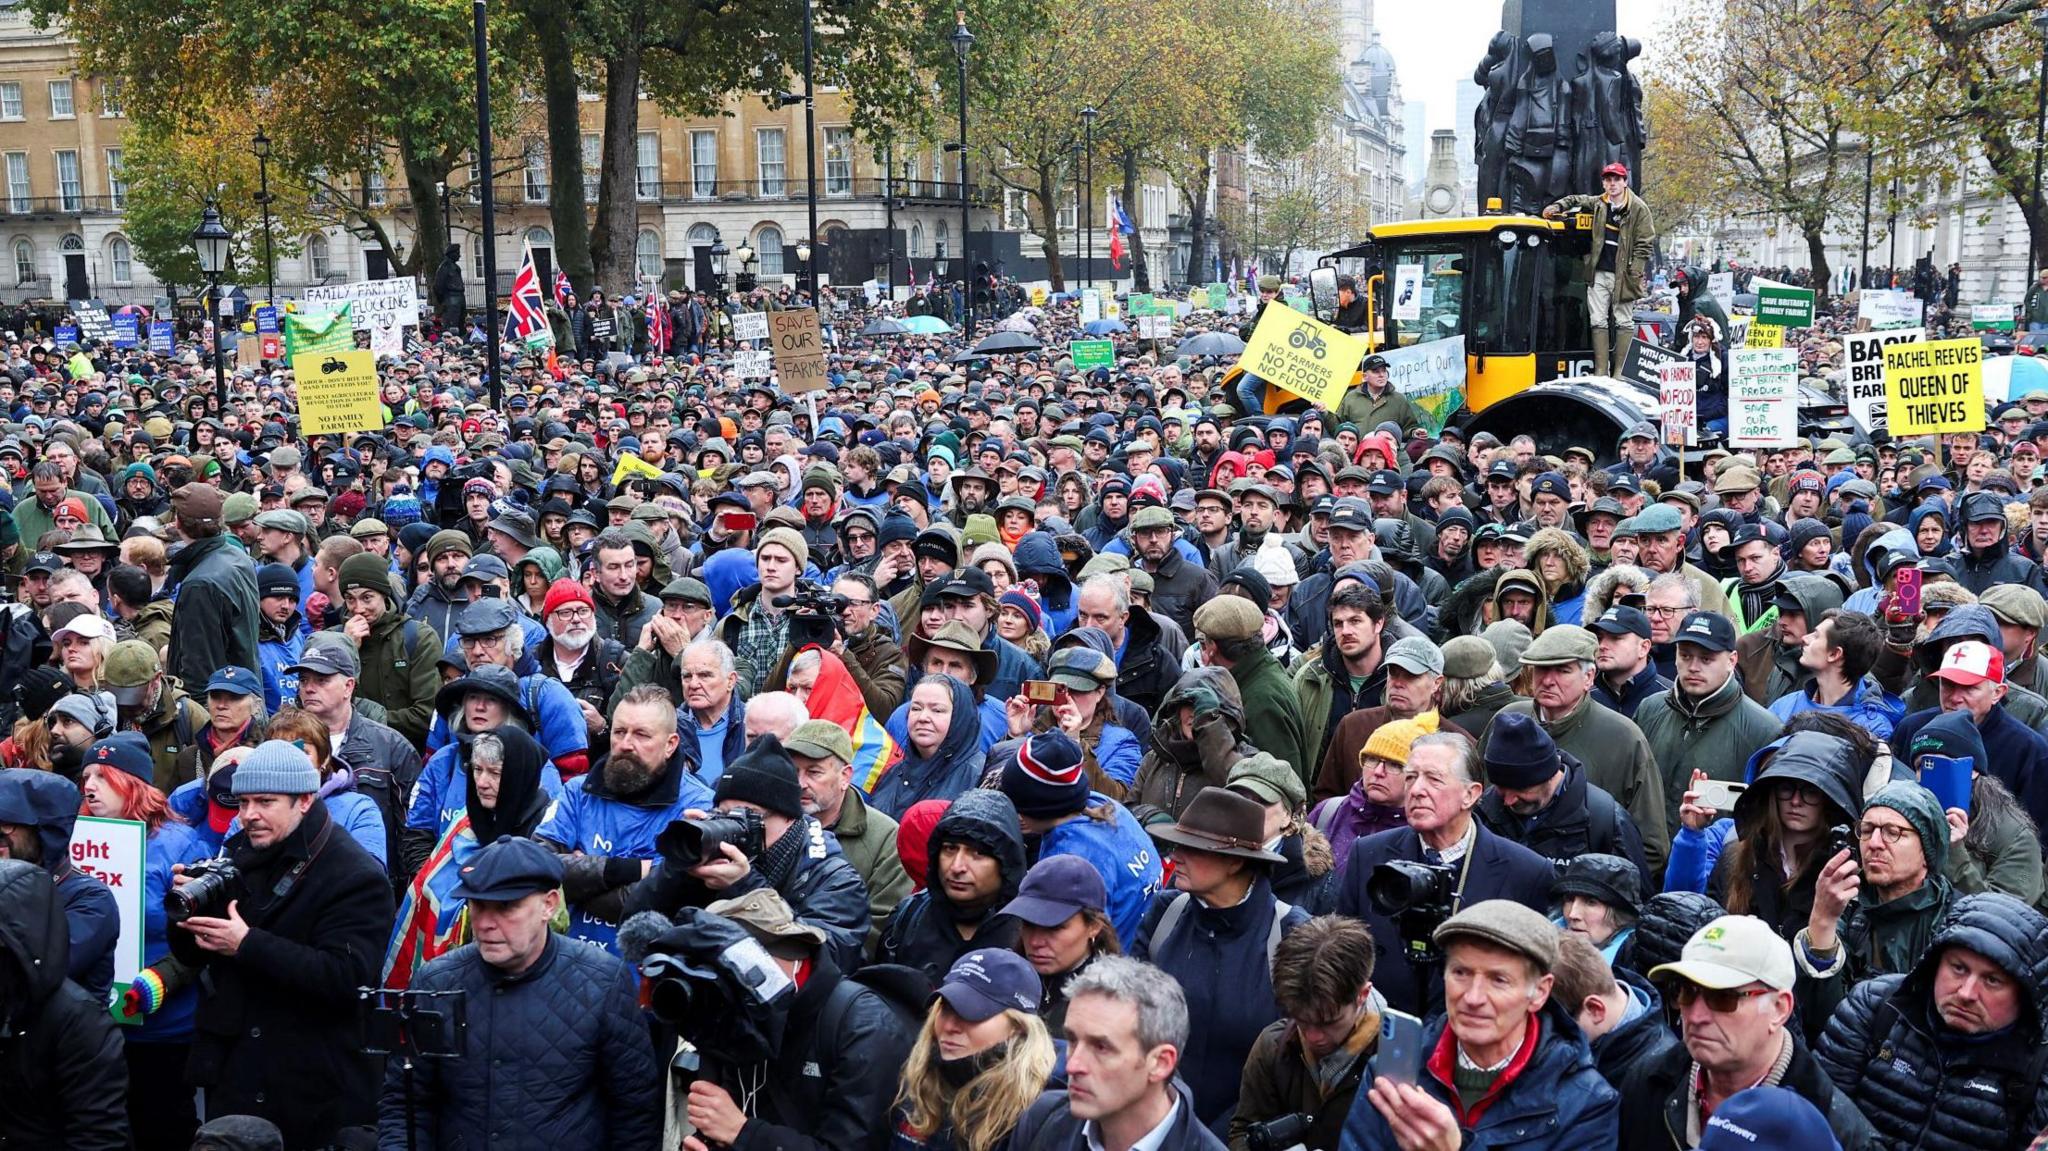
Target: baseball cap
1622, 620
1972, 662
1349, 514
1055, 890
128, 670
1551, 484
1416, 656
988, 981
1732, 951
1385, 482
88, 626
1707, 629
1767, 1117
47, 563
235, 681
820, 739
328, 657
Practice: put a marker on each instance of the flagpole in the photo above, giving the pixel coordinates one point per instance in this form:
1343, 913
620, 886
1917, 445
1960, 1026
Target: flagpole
490, 236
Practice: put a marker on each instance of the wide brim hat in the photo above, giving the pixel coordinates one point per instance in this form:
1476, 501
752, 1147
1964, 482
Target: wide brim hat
1221, 822
954, 636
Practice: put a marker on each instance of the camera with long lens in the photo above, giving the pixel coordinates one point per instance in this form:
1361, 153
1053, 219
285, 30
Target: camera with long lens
209, 885
1418, 897
710, 981
1279, 1133
686, 843
814, 615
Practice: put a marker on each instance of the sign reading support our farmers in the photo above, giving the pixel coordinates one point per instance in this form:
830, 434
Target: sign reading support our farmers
1303, 355
113, 851
1783, 305
799, 349
1934, 387
1763, 397
1863, 355
1678, 401
1432, 376
1091, 354
337, 392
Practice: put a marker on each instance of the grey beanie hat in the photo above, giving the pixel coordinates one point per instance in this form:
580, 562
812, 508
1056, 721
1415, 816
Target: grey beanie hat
276, 768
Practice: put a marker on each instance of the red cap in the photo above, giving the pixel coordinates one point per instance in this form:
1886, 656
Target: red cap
1614, 170
1972, 662
565, 591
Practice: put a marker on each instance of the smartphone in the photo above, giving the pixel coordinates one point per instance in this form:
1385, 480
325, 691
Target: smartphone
1400, 1054
1948, 777
1906, 599
1044, 691
1719, 794
737, 521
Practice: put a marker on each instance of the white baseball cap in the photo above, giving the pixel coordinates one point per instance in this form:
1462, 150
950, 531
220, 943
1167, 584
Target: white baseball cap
1733, 951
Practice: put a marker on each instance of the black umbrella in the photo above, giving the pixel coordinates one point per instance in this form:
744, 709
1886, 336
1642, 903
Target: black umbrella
1007, 343
1211, 344
884, 326
971, 357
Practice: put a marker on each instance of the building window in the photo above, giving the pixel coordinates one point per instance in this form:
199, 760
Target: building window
593, 165
318, 261
647, 254
771, 152
940, 241
24, 262
376, 189
536, 173
703, 165
117, 184
121, 258
70, 193
17, 182
476, 262
647, 166
60, 100
10, 101
72, 242
769, 246
838, 161
110, 97
916, 239
540, 237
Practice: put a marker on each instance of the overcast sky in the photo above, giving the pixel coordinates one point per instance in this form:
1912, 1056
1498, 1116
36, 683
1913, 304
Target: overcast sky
1436, 43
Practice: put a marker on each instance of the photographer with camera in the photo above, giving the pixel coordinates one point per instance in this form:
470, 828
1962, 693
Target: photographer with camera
288, 924
757, 628
1406, 881
1305, 1068
759, 838
563, 1012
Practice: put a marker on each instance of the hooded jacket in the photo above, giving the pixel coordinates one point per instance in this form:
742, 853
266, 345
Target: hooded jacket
925, 931
1566, 601
1642, 1036
1908, 677
1522, 579
1272, 710
1177, 769
952, 768
49, 803
1716, 735
63, 1081
218, 610
1618, 760
1981, 569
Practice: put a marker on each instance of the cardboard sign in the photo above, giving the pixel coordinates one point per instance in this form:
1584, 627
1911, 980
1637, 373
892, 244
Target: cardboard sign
337, 392
1721, 288
1992, 317
1303, 355
1888, 308
1644, 360
1783, 305
163, 337
1936, 386
1763, 397
1762, 335
1432, 376
1863, 354
1678, 402
750, 326
753, 363
1408, 291
799, 349
1091, 354
114, 851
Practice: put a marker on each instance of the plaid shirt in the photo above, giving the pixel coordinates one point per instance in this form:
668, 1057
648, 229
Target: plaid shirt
759, 644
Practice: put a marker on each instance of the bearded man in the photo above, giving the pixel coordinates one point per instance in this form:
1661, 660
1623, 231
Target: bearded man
575, 655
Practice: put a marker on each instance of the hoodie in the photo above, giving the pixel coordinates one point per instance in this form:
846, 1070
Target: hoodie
925, 931
62, 1082
49, 803
952, 767
1895, 540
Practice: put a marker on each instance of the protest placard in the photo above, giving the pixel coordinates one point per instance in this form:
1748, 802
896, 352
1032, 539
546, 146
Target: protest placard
799, 348
1763, 397
1992, 317
1763, 335
750, 326
162, 337
1407, 292
1935, 386
1091, 354
372, 303
1155, 327
337, 392
1091, 307
1432, 376
1863, 356
753, 363
93, 323
114, 851
1783, 304
1643, 361
1678, 402
1303, 355
307, 332
1888, 308
1721, 289
127, 331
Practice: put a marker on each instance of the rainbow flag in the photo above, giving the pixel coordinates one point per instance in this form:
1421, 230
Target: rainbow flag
432, 921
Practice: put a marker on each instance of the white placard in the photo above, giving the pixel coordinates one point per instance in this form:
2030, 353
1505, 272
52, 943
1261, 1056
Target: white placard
753, 364
1863, 356
1408, 291
1155, 327
1091, 306
750, 326
1888, 307
1763, 397
1721, 288
1678, 399
392, 304
113, 851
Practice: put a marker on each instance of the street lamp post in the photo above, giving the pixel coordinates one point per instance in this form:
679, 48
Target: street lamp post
1088, 115
963, 41
492, 336
2040, 129
803, 260
1869, 162
810, 166
1258, 261
210, 242
261, 146
743, 280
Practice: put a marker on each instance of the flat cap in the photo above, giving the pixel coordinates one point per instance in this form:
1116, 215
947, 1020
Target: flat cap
1559, 644
1229, 617
1504, 923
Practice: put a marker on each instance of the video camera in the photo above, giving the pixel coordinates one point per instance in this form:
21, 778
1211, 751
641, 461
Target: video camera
814, 615
209, 885
685, 843
715, 984
1280, 1133
1418, 897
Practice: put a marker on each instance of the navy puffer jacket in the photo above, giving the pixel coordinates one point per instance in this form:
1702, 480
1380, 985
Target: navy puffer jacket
1925, 1086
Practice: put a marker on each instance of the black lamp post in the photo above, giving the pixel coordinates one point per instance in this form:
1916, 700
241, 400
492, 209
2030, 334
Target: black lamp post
963, 42
743, 281
803, 260
261, 146
210, 242
2040, 128
1088, 115
718, 254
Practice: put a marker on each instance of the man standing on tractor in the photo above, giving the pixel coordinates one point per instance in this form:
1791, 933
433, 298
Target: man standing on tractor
1617, 261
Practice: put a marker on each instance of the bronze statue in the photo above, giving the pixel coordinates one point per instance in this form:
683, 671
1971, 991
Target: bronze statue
1495, 74
1539, 135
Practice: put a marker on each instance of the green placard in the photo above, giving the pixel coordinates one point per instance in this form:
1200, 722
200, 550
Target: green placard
332, 332
1992, 317
1783, 305
1219, 295
1138, 304
1091, 354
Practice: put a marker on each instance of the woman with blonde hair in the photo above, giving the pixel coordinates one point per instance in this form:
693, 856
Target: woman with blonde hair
980, 1059
82, 646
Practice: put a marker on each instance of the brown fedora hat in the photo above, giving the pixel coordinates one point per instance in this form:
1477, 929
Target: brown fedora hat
954, 636
1221, 821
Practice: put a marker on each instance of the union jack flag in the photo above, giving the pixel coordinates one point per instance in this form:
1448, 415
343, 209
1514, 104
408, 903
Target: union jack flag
659, 328
525, 321
564, 290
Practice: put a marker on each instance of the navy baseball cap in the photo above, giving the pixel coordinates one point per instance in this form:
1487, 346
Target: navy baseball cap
1055, 890
1350, 514
1625, 483
511, 868
1707, 629
334, 656
486, 567
1767, 1117
1551, 484
48, 563
234, 680
1385, 482
986, 982
1503, 470
1620, 620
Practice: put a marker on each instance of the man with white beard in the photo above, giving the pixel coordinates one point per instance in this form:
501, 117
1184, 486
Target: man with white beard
574, 654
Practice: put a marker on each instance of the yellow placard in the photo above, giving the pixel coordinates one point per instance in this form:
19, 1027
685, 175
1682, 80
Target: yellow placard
1038, 297
1303, 355
1934, 387
337, 392
633, 465
1765, 336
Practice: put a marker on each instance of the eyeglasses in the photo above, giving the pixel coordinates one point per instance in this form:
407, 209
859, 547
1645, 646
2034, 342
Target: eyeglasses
1665, 612
1720, 1002
575, 613
1891, 832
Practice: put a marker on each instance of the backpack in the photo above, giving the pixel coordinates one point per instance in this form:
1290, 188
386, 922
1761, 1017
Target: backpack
1170, 919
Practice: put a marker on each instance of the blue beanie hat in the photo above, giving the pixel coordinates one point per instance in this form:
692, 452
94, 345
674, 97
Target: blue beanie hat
277, 768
